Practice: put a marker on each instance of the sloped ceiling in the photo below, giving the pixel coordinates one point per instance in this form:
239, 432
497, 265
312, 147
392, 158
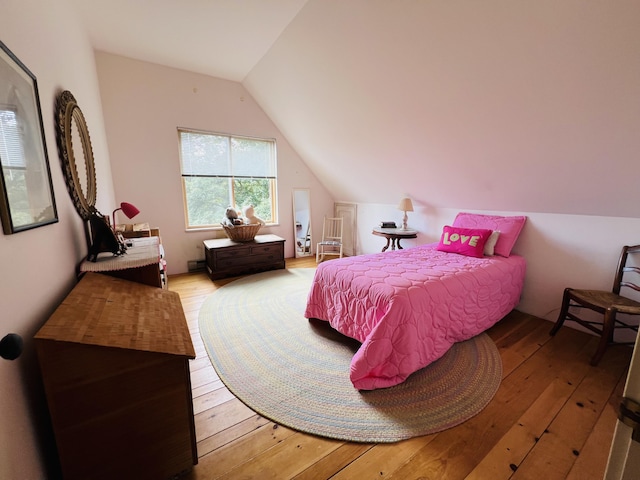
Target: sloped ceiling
221, 38
492, 105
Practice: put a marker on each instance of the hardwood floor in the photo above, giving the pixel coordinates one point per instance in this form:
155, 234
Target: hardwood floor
552, 418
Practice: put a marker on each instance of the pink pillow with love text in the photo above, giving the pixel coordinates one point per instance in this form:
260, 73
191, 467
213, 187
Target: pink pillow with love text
465, 241
509, 228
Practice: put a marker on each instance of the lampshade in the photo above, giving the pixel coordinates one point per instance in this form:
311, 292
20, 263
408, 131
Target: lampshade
129, 210
405, 205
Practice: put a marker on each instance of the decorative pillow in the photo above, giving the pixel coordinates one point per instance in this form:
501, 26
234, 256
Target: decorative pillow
509, 228
465, 241
489, 247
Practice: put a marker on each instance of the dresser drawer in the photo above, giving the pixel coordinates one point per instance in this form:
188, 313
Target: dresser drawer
234, 252
275, 248
248, 251
226, 263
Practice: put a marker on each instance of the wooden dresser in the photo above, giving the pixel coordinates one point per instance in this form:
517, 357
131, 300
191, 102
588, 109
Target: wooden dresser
227, 258
114, 358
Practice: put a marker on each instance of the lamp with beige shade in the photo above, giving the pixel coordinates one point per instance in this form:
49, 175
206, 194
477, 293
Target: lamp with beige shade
405, 205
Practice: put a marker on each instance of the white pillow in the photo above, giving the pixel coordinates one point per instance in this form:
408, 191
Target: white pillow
491, 243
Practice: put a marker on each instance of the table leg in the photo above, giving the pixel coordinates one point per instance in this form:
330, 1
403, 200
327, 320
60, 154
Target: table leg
393, 243
384, 249
399, 246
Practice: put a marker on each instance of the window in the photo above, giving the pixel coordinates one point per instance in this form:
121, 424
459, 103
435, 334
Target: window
219, 171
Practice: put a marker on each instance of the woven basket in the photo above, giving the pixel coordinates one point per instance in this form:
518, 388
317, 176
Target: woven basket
242, 233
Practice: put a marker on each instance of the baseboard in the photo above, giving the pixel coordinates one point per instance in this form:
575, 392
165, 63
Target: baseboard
196, 265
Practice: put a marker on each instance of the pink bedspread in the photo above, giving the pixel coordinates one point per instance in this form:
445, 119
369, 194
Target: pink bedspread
408, 307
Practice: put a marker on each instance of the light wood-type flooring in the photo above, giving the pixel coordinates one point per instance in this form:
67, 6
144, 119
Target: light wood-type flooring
552, 418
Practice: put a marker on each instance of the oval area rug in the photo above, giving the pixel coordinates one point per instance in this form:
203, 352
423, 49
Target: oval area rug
295, 371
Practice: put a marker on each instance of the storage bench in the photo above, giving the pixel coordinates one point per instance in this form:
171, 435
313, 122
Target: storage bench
227, 258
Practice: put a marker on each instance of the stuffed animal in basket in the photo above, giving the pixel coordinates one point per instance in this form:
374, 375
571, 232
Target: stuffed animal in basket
249, 214
231, 218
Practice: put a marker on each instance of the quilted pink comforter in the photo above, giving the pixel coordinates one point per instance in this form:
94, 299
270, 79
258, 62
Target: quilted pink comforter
408, 307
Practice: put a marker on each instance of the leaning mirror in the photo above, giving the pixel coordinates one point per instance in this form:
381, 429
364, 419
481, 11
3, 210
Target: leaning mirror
76, 155
302, 222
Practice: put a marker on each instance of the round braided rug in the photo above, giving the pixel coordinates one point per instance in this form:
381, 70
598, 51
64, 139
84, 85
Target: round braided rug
295, 371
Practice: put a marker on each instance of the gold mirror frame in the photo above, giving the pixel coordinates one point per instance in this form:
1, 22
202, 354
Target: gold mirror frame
68, 114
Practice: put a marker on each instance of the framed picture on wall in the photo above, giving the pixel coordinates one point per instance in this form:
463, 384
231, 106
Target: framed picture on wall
26, 191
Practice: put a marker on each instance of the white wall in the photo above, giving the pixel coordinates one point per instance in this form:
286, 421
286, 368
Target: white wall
144, 104
38, 266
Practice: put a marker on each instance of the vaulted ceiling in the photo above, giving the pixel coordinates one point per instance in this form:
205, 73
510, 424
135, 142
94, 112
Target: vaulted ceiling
492, 105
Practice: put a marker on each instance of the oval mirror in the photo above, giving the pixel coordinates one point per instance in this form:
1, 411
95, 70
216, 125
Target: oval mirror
76, 154
302, 222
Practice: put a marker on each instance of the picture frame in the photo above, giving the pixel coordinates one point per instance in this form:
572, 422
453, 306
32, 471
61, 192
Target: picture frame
26, 191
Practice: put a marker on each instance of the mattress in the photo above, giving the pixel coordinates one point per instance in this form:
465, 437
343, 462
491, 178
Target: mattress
408, 307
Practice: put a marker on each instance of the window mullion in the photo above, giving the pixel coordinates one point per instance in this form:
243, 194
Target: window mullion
232, 200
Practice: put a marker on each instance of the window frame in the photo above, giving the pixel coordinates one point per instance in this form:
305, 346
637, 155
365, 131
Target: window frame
273, 180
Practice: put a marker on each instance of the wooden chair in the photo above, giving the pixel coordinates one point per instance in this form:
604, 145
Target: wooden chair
609, 304
331, 243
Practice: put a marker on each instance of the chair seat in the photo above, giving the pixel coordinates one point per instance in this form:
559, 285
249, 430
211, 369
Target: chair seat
603, 300
608, 303
331, 243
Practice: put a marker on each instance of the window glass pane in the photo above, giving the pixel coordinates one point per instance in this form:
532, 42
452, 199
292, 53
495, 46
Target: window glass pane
204, 154
256, 192
207, 200
252, 158
11, 152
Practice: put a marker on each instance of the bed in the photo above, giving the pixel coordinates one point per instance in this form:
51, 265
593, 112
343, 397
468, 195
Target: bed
408, 307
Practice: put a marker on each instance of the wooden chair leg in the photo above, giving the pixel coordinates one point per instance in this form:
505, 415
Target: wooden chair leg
607, 335
563, 312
